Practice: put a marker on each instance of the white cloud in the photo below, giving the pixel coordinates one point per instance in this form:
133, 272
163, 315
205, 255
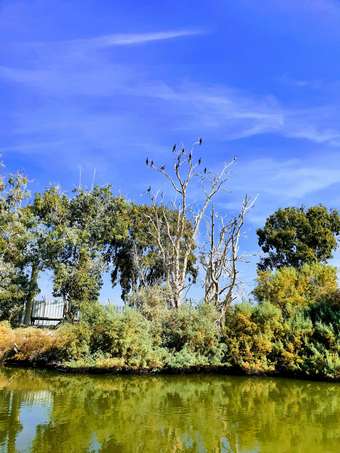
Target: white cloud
225, 111
283, 182
127, 39
288, 180
236, 114
32, 148
71, 69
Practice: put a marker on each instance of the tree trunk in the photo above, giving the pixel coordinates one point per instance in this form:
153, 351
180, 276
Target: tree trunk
32, 291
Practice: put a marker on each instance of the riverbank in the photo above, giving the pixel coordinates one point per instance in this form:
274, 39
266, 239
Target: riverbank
255, 341
221, 370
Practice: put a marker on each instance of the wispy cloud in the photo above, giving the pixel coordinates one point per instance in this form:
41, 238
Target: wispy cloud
126, 39
68, 70
32, 148
236, 114
289, 179
231, 113
285, 182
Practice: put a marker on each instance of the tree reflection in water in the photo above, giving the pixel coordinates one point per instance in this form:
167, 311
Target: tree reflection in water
173, 413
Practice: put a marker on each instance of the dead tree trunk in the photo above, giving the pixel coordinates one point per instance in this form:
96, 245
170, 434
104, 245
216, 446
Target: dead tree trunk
176, 246
220, 261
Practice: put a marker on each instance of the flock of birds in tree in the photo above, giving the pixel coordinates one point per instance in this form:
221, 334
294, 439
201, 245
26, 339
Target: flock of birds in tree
151, 163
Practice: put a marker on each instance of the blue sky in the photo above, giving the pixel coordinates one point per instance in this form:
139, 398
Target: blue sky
100, 85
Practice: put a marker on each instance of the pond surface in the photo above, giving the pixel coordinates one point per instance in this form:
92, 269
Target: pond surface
49, 412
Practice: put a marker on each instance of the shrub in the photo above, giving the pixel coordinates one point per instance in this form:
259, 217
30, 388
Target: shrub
33, 344
250, 334
134, 342
295, 337
290, 287
256, 338
326, 311
72, 342
126, 336
185, 359
195, 331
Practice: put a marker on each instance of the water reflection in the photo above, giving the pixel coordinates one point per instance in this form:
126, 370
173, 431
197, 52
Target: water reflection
47, 412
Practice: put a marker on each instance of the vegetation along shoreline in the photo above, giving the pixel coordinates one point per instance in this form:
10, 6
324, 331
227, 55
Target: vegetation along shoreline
157, 251
197, 371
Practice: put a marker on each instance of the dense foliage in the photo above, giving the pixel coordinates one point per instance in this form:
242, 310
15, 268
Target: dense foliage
293, 326
78, 238
267, 337
297, 236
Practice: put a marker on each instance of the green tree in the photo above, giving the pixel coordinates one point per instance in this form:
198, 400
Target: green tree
15, 246
12, 291
137, 259
94, 220
39, 248
295, 236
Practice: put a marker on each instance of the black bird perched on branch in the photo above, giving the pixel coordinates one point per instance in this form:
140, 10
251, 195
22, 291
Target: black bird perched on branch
174, 148
199, 161
151, 163
183, 150
149, 189
200, 141
147, 161
205, 170
162, 167
190, 157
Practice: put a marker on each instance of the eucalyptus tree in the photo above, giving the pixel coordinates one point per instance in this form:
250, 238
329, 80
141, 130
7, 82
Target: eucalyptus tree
137, 259
15, 244
24, 244
94, 220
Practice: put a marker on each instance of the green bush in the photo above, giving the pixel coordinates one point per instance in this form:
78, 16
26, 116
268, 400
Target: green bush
289, 287
194, 331
127, 336
72, 341
134, 342
256, 338
250, 334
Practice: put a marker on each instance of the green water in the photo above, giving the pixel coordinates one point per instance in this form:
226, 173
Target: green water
48, 412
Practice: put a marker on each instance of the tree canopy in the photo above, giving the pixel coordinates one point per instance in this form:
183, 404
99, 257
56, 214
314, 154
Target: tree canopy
136, 258
298, 236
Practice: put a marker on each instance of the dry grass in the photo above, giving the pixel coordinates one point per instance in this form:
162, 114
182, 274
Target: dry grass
24, 343
32, 343
7, 339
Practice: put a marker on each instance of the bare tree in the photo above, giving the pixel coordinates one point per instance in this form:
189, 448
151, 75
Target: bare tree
220, 261
177, 240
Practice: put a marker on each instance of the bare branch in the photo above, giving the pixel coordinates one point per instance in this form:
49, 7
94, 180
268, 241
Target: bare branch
176, 240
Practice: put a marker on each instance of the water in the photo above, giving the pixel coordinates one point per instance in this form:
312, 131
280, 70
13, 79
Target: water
49, 412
